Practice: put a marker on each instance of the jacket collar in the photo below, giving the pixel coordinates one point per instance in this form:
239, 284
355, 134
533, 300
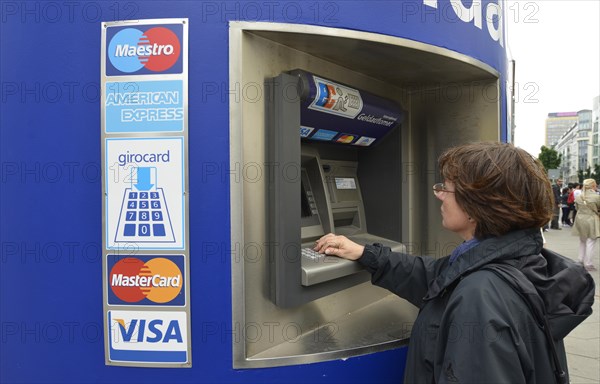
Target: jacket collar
511, 246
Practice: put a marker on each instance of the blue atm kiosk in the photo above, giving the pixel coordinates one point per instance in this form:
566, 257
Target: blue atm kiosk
266, 171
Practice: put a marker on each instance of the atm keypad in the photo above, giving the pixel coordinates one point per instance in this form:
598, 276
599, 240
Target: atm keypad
311, 254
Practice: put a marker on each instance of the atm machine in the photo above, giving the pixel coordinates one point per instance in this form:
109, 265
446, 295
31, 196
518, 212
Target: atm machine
330, 139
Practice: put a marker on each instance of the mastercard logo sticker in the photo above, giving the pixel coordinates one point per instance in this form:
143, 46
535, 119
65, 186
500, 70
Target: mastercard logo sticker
345, 139
136, 51
154, 280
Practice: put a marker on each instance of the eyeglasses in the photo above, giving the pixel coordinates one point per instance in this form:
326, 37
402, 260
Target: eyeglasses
439, 188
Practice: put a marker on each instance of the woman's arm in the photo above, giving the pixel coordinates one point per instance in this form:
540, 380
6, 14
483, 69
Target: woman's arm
405, 275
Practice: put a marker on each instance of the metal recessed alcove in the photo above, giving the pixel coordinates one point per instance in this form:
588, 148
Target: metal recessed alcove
446, 98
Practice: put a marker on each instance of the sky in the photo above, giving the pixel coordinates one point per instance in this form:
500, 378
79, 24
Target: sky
556, 46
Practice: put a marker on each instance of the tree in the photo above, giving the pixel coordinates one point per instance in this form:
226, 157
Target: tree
582, 175
596, 173
588, 174
550, 158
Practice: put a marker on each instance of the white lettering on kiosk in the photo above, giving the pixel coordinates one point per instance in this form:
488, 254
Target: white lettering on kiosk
127, 50
120, 280
126, 158
142, 98
475, 14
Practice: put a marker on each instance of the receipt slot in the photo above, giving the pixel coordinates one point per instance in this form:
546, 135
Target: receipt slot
329, 132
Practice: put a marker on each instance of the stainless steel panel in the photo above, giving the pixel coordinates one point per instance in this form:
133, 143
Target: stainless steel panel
364, 318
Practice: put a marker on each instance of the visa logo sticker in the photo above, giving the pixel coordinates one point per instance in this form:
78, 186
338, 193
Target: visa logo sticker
305, 131
148, 337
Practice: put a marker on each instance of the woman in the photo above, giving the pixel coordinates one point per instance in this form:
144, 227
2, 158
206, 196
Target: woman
479, 318
587, 223
564, 205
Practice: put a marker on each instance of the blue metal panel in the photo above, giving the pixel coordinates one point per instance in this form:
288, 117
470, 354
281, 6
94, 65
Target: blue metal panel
50, 181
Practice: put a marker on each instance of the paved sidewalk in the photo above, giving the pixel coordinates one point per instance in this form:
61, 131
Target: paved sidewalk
583, 343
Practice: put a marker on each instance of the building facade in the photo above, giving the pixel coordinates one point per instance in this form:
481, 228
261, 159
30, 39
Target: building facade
575, 145
557, 124
584, 139
595, 150
567, 147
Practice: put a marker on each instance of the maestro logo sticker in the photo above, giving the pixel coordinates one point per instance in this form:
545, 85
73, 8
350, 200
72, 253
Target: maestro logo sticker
156, 49
146, 281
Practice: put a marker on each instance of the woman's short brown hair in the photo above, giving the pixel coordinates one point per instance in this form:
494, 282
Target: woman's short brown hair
503, 188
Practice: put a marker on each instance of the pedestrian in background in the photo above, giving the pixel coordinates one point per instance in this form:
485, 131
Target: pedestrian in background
587, 223
564, 205
556, 192
574, 193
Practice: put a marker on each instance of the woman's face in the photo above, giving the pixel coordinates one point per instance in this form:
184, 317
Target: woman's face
454, 218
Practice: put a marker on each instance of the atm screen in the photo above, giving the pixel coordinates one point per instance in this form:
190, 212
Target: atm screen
345, 183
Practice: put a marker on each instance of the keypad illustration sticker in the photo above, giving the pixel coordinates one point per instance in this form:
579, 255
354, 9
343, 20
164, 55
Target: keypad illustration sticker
144, 213
145, 193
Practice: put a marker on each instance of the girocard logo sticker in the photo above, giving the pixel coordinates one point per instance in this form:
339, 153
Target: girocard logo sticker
145, 192
365, 141
149, 336
144, 50
336, 99
146, 280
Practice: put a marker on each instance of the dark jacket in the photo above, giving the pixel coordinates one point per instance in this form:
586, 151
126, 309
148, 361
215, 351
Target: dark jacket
564, 199
556, 192
473, 325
